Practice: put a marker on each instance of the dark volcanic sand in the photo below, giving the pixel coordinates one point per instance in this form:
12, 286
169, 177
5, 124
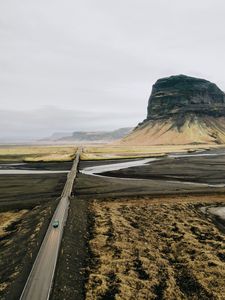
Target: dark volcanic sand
39, 195
20, 246
75, 255
52, 166
103, 187
71, 275
206, 169
26, 191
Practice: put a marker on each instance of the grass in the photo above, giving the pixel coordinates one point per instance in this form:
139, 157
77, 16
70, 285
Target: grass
37, 153
27, 203
113, 151
7, 218
19, 243
144, 249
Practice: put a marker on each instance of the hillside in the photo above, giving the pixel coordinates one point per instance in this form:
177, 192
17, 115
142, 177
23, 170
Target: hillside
90, 136
182, 110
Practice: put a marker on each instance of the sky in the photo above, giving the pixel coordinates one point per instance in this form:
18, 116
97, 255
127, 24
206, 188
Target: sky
68, 65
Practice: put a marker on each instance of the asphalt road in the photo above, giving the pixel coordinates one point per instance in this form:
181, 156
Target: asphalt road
40, 280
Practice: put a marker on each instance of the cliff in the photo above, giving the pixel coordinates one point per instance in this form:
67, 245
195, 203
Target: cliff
182, 110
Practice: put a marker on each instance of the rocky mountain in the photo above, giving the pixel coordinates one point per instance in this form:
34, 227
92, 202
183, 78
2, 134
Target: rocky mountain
97, 136
59, 135
90, 136
182, 110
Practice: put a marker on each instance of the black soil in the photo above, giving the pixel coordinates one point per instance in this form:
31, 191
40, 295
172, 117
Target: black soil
71, 275
75, 255
20, 247
206, 169
39, 195
111, 186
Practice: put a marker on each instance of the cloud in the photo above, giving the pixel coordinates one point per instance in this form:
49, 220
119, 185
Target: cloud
45, 121
101, 57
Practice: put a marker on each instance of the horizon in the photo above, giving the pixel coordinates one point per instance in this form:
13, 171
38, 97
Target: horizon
85, 66
112, 149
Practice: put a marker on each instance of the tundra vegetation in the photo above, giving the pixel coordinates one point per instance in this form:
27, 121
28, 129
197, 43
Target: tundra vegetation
120, 241
152, 249
99, 152
27, 203
37, 153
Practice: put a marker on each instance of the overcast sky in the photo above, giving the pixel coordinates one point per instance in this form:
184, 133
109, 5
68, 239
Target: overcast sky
69, 65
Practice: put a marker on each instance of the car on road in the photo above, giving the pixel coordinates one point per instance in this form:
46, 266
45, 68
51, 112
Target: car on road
55, 224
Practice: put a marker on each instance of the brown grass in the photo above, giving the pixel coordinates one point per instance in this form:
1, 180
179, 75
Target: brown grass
37, 153
22, 233
155, 250
120, 151
201, 130
7, 218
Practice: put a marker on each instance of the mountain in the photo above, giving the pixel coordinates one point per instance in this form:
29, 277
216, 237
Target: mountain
59, 135
90, 137
182, 110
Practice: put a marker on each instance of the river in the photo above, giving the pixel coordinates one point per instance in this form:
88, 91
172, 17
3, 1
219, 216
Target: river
15, 169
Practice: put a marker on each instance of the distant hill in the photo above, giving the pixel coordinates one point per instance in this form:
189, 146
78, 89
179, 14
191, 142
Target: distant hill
59, 135
89, 136
182, 110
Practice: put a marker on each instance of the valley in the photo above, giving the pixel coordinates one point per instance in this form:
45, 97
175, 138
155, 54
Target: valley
27, 203
138, 218
112, 150
145, 238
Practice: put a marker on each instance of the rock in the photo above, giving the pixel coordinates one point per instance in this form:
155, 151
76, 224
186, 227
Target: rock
182, 110
90, 137
180, 95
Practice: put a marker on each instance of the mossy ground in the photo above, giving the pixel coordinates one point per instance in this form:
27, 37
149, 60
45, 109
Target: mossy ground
27, 203
122, 151
143, 249
37, 153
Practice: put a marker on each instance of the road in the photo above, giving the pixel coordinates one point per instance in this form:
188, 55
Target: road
40, 280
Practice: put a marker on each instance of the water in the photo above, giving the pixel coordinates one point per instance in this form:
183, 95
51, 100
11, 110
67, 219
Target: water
12, 169
21, 172
218, 211
193, 155
98, 170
